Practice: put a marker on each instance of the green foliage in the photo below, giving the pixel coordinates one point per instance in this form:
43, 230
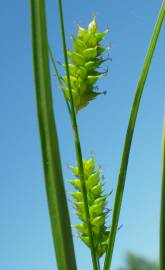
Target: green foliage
129, 135
138, 263
56, 196
96, 203
79, 88
85, 60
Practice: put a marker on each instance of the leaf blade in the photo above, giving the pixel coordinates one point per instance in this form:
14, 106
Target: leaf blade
129, 136
57, 204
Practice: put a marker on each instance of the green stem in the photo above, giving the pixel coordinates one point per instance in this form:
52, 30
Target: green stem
128, 138
56, 196
162, 214
98, 263
77, 143
59, 79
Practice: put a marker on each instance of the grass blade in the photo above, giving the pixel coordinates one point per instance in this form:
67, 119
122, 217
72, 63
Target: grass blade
59, 78
129, 135
57, 203
77, 142
162, 215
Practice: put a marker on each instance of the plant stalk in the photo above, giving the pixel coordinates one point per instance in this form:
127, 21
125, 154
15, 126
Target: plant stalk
98, 262
77, 143
129, 136
59, 78
56, 197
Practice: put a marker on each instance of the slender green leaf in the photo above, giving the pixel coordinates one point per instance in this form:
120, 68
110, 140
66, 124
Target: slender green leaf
59, 78
77, 142
162, 215
57, 202
129, 135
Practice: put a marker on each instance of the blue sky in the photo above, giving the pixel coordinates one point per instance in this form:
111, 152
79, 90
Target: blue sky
25, 237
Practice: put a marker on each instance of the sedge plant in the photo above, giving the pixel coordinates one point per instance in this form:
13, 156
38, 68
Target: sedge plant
82, 69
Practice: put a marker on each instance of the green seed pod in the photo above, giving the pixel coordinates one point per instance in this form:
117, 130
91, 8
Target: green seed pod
82, 73
73, 80
92, 41
82, 228
76, 58
85, 59
76, 195
92, 27
72, 69
82, 34
79, 206
90, 53
96, 190
93, 179
76, 98
85, 239
96, 204
90, 66
89, 166
100, 36
101, 49
76, 183
78, 45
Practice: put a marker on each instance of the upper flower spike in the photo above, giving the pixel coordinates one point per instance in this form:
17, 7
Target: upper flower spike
85, 59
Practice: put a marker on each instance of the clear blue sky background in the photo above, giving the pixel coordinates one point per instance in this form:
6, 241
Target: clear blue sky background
25, 237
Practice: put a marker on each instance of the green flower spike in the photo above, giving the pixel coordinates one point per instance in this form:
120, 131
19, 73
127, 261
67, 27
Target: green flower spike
96, 203
85, 60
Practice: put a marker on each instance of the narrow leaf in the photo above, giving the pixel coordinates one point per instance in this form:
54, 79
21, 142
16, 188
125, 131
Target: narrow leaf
58, 210
129, 136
